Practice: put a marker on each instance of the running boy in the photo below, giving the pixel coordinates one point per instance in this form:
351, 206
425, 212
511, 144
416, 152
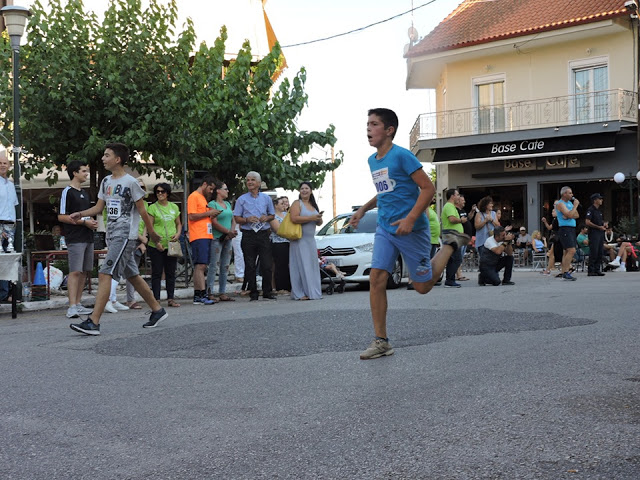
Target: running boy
124, 199
403, 193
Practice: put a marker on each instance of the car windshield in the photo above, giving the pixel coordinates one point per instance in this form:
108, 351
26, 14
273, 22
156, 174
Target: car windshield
340, 224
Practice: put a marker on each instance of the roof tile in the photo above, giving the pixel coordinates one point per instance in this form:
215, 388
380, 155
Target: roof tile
482, 21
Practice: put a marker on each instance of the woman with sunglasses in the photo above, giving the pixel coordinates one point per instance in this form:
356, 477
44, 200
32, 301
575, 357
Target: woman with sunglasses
166, 222
224, 229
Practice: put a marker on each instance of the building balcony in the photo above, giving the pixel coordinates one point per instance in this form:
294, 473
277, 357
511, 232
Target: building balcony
596, 107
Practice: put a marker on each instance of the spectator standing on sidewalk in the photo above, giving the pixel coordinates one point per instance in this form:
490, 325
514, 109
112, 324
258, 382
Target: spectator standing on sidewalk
451, 221
597, 226
467, 226
485, 221
78, 235
567, 210
8, 202
253, 212
200, 235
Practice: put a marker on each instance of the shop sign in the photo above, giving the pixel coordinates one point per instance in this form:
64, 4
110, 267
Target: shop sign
560, 150
519, 164
561, 162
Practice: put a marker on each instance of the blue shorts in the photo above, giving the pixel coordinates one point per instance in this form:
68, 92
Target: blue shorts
414, 247
200, 251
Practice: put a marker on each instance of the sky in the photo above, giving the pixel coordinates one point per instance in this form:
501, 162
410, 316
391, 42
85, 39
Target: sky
346, 76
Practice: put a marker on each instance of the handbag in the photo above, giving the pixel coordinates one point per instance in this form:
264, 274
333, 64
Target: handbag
289, 230
174, 248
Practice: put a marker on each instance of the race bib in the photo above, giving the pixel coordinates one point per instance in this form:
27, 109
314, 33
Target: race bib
209, 228
113, 208
381, 180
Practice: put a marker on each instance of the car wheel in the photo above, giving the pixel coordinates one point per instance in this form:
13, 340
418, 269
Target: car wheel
396, 275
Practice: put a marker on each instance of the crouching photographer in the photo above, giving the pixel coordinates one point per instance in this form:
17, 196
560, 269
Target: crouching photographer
496, 255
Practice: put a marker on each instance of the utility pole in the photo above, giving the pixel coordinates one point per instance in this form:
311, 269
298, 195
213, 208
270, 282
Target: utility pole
333, 183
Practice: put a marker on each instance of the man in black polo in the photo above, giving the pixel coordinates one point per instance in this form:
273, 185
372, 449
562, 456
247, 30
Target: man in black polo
597, 226
78, 235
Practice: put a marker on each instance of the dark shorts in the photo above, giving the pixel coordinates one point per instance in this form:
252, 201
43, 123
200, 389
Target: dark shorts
200, 251
567, 237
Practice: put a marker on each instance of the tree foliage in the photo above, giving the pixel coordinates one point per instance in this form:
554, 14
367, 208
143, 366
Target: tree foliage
130, 78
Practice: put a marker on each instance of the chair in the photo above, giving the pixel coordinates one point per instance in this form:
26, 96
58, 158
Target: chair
539, 260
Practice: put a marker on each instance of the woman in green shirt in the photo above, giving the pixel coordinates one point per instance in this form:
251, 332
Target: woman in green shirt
224, 229
166, 222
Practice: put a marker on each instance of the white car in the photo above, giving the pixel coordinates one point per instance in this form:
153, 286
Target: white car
351, 249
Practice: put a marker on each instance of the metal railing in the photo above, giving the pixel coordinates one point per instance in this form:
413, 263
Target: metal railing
595, 107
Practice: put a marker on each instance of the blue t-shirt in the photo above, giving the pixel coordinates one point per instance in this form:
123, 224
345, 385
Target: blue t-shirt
396, 190
562, 221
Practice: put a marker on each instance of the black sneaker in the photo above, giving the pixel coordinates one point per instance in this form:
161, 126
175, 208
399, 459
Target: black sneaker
156, 318
270, 296
87, 327
508, 283
253, 298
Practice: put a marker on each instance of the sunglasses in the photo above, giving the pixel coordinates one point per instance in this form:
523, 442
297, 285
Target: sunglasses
160, 191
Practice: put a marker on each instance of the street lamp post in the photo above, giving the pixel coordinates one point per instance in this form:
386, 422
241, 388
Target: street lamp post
15, 18
620, 178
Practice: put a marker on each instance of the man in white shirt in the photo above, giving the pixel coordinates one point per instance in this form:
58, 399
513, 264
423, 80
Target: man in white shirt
8, 202
496, 255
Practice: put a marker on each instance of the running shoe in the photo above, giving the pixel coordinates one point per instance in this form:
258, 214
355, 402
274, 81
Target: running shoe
110, 308
156, 318
615, 263
118, 306
454, 238
378, 348
87, 327
567, 276
452, 285
82, 310
202, 301
72, 312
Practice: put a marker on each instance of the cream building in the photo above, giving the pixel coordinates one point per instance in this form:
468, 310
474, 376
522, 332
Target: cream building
531, 95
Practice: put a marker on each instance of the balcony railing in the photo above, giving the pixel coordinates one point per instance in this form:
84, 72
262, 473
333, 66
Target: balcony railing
596, 107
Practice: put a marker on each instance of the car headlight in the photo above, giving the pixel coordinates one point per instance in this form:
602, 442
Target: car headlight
367, 247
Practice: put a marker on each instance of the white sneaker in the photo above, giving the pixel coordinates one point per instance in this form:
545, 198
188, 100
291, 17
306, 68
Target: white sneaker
82, 310
118, 306
615, 263
623, 268
110, 308
72, 312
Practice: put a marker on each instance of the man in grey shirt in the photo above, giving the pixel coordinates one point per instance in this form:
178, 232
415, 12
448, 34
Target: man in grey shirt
124, 200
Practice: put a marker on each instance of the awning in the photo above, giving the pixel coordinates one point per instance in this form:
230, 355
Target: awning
529, 148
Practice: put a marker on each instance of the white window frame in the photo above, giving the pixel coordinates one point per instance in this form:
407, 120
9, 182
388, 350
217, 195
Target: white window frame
484, 80
581, 64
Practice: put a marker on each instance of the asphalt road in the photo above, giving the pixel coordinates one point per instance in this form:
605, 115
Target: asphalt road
536, 381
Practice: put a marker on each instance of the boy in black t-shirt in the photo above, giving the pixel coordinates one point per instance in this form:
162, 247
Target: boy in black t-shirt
78, 235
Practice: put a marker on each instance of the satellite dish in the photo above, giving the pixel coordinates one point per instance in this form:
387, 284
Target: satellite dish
413, 34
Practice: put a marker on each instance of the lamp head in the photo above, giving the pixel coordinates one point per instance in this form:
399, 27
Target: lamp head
15, 18
631, 6
638, 176
618, 178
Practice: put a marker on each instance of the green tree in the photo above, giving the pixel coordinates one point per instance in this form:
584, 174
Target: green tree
84, 83
235, 122
130, 79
